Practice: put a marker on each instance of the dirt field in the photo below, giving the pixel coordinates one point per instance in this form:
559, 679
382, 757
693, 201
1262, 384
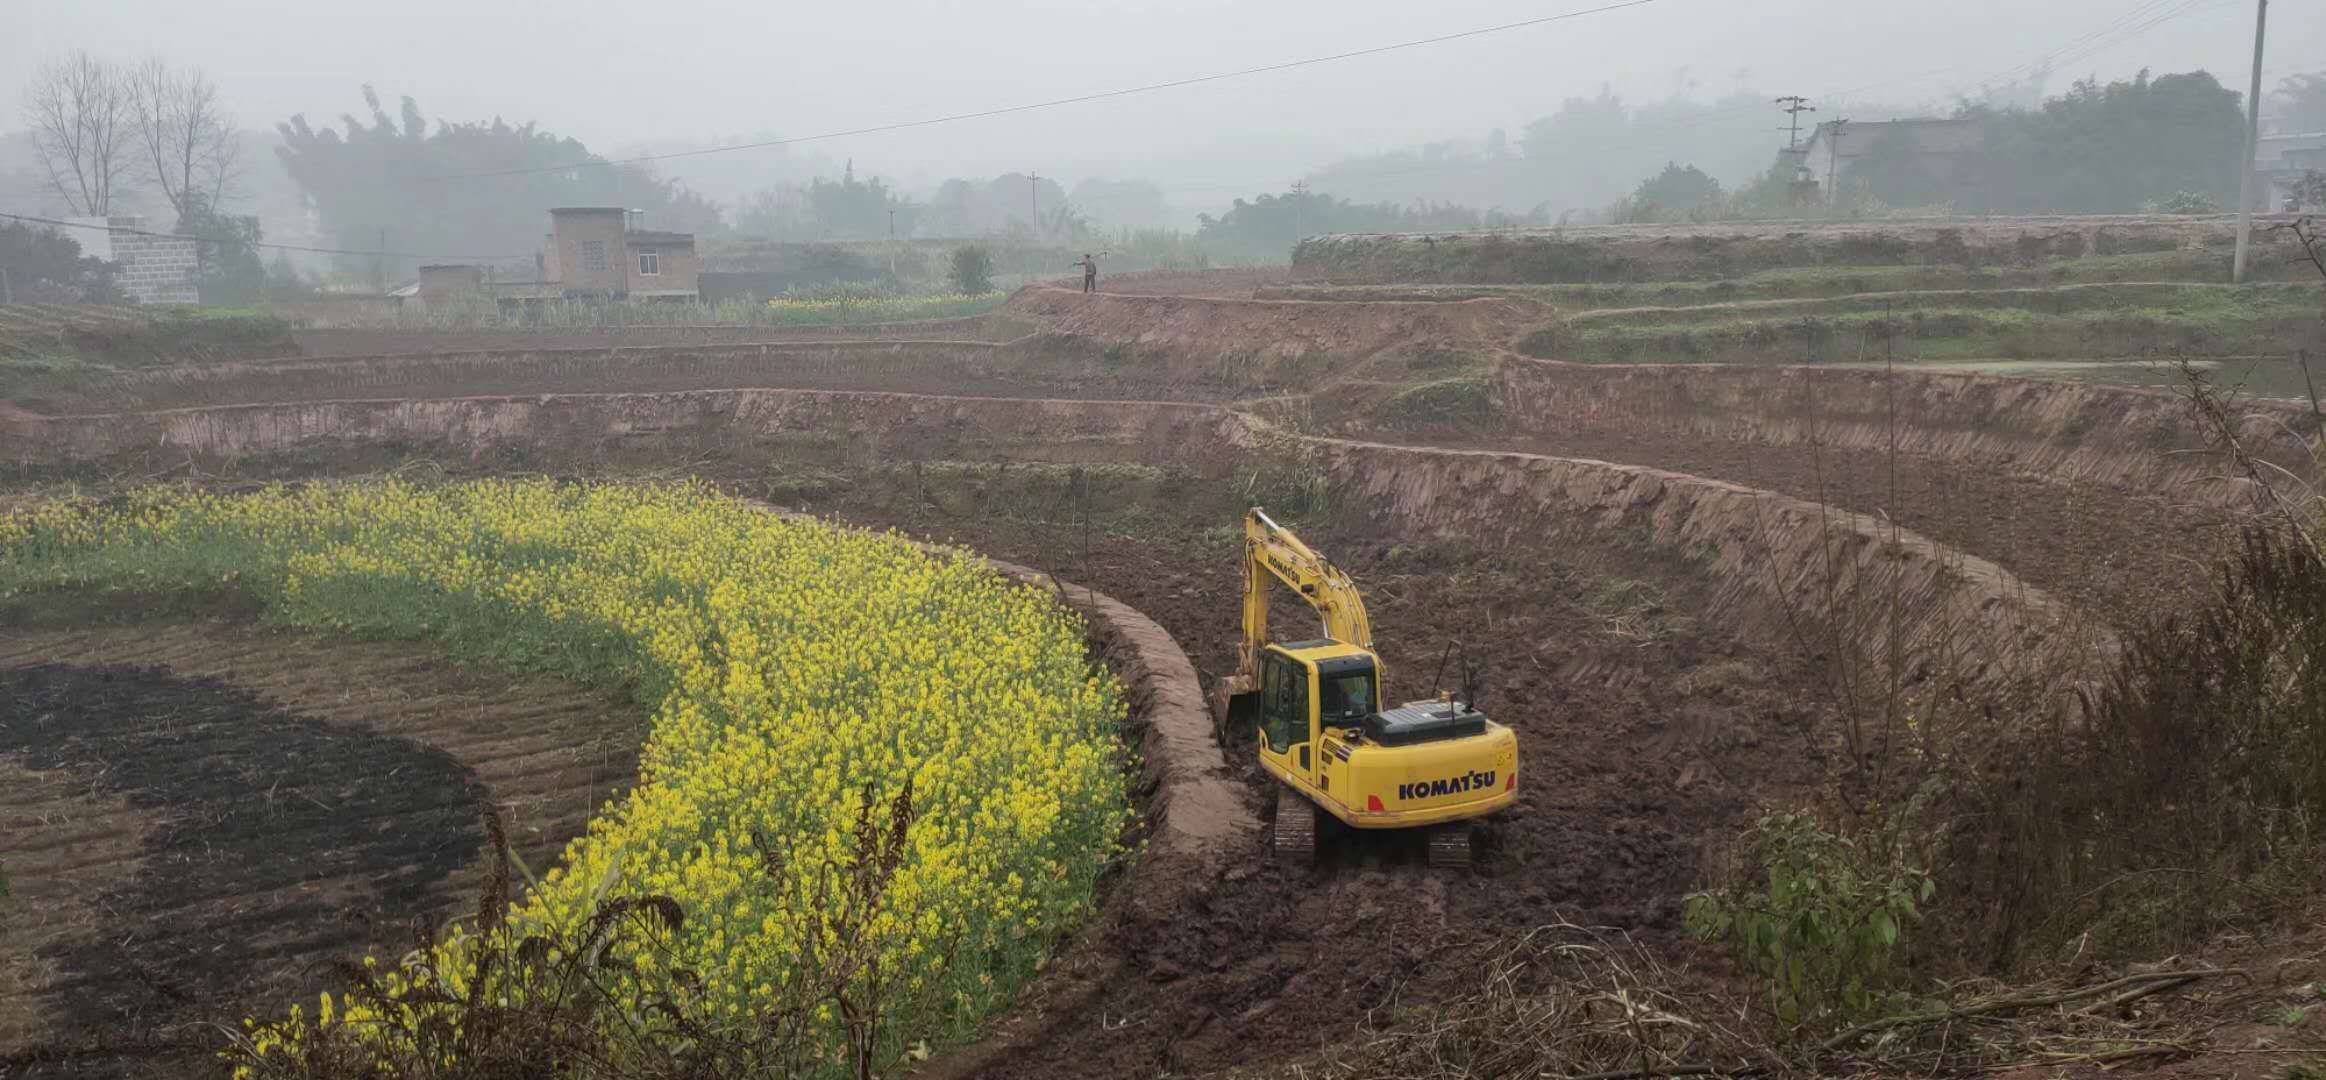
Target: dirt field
213, 813
1653, 724
357, 342
1648, 733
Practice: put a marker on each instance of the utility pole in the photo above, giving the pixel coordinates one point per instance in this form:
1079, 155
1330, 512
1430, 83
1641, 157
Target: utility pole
1299, 203
1034, 206
7, 296
1833, 162
1795, 105
892, 243
2252, 144
380, 263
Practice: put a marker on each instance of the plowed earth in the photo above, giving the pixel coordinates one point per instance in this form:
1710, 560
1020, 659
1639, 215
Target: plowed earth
208, 815
1648, 737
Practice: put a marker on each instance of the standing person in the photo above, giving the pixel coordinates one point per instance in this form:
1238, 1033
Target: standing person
1089, 273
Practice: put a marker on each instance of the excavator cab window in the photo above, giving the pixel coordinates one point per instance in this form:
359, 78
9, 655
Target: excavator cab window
1349, 695
1283, 702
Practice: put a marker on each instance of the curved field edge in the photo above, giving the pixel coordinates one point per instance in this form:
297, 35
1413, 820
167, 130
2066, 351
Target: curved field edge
783, 713
1192, 348
2130, 437
1786, 563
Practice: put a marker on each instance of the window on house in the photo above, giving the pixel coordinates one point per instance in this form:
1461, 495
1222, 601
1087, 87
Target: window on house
593, 254
649, 262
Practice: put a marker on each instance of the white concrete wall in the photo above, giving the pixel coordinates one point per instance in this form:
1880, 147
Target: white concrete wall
154, 269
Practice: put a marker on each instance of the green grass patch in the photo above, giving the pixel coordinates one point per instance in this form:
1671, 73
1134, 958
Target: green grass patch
2205, 323
59, 349
1831, 281
1446, 402
2196, 302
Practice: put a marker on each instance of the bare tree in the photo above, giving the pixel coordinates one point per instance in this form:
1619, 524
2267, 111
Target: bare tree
79, 111
184, 135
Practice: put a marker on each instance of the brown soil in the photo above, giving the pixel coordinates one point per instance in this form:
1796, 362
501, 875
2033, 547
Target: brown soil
220, 811
358, 342
1648, 736
97, 838
955, 368
2096, 548
1220, 283
1276, 336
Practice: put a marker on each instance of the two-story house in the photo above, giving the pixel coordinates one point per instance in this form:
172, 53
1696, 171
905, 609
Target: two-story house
598, 252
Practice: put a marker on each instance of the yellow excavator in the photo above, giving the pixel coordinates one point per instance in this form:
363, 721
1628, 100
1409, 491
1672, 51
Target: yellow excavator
1321, 730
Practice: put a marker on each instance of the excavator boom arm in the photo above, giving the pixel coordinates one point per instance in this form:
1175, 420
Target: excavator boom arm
1272, 552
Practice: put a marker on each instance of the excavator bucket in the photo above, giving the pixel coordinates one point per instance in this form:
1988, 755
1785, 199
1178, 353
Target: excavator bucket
1234, 714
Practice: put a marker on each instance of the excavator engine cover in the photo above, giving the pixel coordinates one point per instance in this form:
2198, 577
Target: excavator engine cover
1419, 722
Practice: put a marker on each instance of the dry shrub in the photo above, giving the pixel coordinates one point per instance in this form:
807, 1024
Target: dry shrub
1564, 1000
2080, 795
2183, 795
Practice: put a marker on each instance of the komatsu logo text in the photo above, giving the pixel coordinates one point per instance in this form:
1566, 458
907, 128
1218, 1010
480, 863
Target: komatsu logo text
1431, 789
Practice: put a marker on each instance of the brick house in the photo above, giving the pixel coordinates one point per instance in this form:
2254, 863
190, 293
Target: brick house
600, 252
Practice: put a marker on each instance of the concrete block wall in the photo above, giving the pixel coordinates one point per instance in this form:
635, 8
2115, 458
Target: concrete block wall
155, 269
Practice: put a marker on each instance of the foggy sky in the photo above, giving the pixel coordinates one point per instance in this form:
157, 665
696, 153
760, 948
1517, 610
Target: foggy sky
622, 74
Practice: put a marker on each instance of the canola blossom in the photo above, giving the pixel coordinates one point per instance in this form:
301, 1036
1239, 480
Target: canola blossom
793, 670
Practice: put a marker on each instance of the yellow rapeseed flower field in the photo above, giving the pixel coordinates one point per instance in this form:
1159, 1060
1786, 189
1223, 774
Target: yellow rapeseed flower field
801, 678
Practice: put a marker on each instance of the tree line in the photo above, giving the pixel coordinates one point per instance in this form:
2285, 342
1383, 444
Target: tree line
399, 181
2164, 144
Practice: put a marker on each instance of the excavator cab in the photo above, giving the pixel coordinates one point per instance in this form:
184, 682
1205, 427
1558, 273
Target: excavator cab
1309, 689
1320, 726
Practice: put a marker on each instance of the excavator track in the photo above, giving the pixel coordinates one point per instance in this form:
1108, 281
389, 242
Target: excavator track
1294, 834
1449, 847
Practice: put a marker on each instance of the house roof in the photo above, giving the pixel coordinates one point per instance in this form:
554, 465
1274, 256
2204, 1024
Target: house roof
657, 236
1926, 134
587, 210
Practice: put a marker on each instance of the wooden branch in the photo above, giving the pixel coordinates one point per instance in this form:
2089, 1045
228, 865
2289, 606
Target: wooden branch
2103, 1058
1671, 1071
2128, 988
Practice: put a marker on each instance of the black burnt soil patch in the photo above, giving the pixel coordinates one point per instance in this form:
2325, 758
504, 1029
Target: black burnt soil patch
282, 842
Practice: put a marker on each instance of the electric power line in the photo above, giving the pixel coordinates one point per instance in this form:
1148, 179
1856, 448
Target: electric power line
2140, 20
1078, 99
2058, 53
246, 243
2126, 26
